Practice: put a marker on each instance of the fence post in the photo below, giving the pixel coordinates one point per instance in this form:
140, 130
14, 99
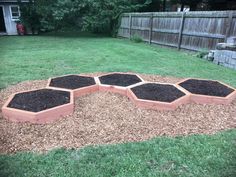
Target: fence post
130, 25
229, 24
181, 30
150, 30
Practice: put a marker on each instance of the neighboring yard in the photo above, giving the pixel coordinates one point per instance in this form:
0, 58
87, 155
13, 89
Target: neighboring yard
40, 57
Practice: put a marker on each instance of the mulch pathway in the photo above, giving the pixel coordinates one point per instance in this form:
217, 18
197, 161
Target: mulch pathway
107, 118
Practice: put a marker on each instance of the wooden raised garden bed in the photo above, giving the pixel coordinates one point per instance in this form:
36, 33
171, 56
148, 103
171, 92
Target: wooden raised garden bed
118, 82
57, 99
208, 91
38, 106
78, 84
160, 96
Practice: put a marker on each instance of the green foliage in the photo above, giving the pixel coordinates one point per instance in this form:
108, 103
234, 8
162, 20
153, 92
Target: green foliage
202, 53
100, 16
103, 15
136, 38
154, 6
29, 16
196, 155
58, 14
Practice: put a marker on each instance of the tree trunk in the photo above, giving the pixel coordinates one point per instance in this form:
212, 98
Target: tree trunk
164, 5
182, 7
111, 26
193, 6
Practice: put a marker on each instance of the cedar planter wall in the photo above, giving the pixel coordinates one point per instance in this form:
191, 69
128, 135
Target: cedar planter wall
182, 30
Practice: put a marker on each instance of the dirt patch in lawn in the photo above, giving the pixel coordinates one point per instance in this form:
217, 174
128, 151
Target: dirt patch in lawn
106, 118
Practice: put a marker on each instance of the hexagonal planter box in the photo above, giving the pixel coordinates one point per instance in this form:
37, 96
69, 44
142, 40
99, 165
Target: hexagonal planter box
38, 106
118, 82
159, 96
208, 91
79, 84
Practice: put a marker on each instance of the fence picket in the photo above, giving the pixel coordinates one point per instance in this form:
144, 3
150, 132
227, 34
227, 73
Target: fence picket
189, 30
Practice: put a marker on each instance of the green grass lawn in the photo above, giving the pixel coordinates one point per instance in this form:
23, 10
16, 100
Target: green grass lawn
201, 155
40, 57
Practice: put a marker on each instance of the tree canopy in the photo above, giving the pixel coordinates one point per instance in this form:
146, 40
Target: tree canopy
90, 15
93, 15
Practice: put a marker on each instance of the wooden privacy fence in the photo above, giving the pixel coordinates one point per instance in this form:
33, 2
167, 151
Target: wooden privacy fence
183, 30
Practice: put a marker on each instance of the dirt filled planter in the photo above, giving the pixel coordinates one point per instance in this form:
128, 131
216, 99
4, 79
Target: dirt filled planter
159, 96
38, 106
57, 99
118, 82
208, 91
78, 84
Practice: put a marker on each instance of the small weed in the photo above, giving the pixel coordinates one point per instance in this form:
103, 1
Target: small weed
136, 38
202, 53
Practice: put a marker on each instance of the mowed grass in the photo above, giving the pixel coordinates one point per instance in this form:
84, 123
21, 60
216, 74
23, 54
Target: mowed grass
199, 155
41, 57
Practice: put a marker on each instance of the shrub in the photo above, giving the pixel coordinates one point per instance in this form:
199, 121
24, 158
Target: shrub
98, 16
29, 16
136, 38
202, 53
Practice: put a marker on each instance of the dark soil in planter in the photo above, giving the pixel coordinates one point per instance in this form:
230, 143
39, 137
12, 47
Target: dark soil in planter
119, 79
206, 87
72, 82
39, 100
157, 92
92, 112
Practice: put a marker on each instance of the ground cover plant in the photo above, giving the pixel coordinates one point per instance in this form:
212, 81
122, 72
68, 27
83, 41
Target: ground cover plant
41, 57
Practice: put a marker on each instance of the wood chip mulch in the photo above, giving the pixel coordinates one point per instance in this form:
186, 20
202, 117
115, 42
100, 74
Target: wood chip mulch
107, 118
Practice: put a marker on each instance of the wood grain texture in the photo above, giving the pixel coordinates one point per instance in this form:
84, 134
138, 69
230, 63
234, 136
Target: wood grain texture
192, 31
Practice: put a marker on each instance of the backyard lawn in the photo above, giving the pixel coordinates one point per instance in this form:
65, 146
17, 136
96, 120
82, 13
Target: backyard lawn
204, 156
41, 57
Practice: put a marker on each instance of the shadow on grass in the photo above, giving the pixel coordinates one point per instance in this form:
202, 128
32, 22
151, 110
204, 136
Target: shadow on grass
74, 34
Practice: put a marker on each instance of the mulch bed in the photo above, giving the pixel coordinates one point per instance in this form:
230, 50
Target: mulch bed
72, 82
206, 87
39, 100
157, 92
119, 79
107, 118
